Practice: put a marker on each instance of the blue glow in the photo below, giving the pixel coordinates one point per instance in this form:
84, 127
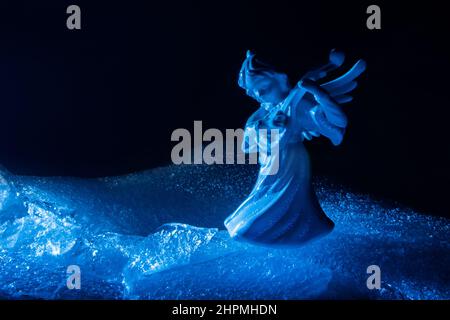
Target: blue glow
109, 227
120, 230
282, 209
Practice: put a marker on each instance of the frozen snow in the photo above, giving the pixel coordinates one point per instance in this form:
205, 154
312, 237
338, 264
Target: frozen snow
159, 234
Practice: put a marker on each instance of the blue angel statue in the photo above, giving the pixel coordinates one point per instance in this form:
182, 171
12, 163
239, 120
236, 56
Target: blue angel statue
282, 208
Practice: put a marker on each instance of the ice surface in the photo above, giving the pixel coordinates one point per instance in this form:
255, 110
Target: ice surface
121, 231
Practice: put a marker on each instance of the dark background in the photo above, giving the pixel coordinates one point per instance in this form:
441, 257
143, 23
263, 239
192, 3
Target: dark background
104, 100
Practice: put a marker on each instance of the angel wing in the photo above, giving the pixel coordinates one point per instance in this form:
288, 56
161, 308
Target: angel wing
339, 88
327, 117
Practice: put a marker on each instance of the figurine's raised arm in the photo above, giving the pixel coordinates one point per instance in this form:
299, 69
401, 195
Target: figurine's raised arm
335, 60
322, 101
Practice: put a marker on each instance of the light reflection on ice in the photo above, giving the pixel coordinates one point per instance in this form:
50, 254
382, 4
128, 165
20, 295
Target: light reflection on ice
110, 228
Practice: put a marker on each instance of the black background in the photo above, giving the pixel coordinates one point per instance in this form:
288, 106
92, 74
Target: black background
104, 100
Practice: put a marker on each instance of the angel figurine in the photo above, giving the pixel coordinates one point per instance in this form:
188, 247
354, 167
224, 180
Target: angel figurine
282, 209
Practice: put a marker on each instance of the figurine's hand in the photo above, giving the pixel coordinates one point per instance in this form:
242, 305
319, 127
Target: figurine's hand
279, 120
332, 109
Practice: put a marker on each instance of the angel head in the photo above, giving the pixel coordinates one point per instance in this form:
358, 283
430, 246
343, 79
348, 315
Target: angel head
262, 82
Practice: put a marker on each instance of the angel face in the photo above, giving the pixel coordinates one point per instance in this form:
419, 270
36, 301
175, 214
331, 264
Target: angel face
261, 82
267, 88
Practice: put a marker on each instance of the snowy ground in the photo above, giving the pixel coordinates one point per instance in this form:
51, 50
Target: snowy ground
134, 238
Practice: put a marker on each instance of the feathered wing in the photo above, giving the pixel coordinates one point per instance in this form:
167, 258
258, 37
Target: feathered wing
327, 118
339, 88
